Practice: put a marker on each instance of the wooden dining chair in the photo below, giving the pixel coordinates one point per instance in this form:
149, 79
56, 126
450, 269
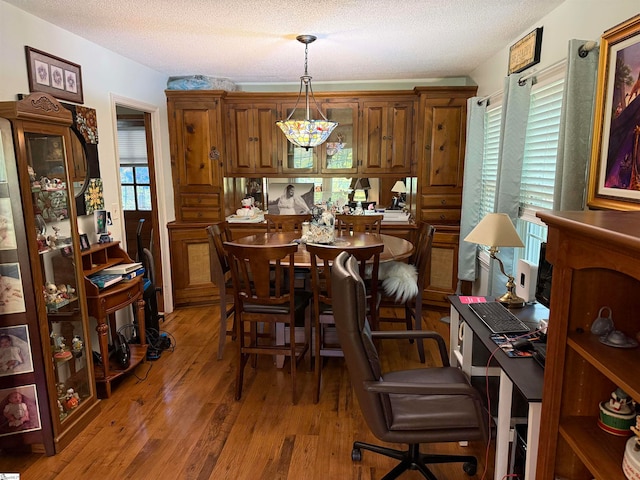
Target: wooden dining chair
218, 233
420, 259
263, 298
322, 257
285, 223
359, 223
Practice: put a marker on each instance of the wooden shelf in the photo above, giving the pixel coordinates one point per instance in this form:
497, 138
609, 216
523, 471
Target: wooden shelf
598, 450
138, 354
103, 303
618, 364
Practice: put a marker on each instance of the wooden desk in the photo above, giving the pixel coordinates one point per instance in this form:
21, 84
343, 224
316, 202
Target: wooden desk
395, 248
523, 373
103, 303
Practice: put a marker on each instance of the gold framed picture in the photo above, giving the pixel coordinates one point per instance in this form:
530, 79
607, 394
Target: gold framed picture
614, 174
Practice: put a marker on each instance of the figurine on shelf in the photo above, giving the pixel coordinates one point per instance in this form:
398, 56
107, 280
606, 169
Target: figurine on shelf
51, 293
76, 346
618, 414
631, 459
16, 410
52, 240
71, 399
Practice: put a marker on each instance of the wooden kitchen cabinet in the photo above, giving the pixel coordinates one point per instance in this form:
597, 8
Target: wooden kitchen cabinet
442, 120
387, 137
252, 137
191, 277
197, 154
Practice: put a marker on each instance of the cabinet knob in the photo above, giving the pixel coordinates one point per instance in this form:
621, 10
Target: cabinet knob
390, 137
443, 216
427, 147
214, 154
441, 148
443, 202
440, 126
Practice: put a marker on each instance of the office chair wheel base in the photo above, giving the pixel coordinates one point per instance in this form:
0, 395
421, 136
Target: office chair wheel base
356, 454
470, 468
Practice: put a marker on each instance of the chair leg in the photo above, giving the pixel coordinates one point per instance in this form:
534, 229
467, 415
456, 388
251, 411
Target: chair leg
223, 327
412, 459
316, 358
294, 359
241, 358
416, 313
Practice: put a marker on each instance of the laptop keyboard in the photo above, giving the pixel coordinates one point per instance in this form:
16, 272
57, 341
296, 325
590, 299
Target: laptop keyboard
498, 318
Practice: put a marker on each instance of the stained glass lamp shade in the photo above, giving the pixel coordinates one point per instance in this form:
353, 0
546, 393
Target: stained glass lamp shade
306, 133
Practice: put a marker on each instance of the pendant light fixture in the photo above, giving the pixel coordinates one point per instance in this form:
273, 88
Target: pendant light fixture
306, 133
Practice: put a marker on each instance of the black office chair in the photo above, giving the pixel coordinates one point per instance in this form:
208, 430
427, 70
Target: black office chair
424, 405
150, 296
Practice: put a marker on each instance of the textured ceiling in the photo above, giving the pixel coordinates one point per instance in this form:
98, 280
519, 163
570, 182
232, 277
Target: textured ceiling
254, 40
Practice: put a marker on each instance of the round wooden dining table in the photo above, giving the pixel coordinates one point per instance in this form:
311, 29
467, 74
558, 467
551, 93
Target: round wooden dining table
395, 248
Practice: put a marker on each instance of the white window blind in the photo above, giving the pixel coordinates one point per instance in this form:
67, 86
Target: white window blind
493, 118
541, 146
132, 145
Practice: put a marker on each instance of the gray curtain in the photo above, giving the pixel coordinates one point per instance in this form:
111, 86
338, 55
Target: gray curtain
472, 187
515, 113
574, 144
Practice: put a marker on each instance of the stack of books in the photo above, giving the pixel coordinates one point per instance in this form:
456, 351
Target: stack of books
126, 271
104, 280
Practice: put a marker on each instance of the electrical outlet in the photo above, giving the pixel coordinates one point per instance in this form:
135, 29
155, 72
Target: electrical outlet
115, 211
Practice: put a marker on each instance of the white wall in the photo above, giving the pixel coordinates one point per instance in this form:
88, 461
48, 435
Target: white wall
579, 19
106, 76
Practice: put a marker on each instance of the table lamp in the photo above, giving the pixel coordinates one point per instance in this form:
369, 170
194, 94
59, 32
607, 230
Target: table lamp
496, 230
398, 188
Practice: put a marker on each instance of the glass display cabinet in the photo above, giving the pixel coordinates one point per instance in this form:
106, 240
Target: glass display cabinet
47, 174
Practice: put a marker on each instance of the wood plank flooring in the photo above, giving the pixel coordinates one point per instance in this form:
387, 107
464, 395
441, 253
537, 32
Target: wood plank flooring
179, 419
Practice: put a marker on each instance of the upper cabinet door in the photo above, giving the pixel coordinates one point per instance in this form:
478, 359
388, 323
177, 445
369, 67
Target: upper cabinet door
197, 155
442, 158
252, 138
387, 137
339, 154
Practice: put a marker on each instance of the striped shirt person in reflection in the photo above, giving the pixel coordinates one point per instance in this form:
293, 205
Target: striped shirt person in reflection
291, 204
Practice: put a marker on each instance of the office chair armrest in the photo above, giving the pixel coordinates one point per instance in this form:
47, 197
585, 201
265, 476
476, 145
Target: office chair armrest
415, 334
421, 388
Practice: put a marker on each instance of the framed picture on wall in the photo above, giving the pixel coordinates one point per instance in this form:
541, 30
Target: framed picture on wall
59, 78
20, 410
15, 350
614, 177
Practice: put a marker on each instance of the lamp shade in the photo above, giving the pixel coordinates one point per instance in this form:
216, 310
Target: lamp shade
307, 133
495, 230
399, 187
359, 196
359, 184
